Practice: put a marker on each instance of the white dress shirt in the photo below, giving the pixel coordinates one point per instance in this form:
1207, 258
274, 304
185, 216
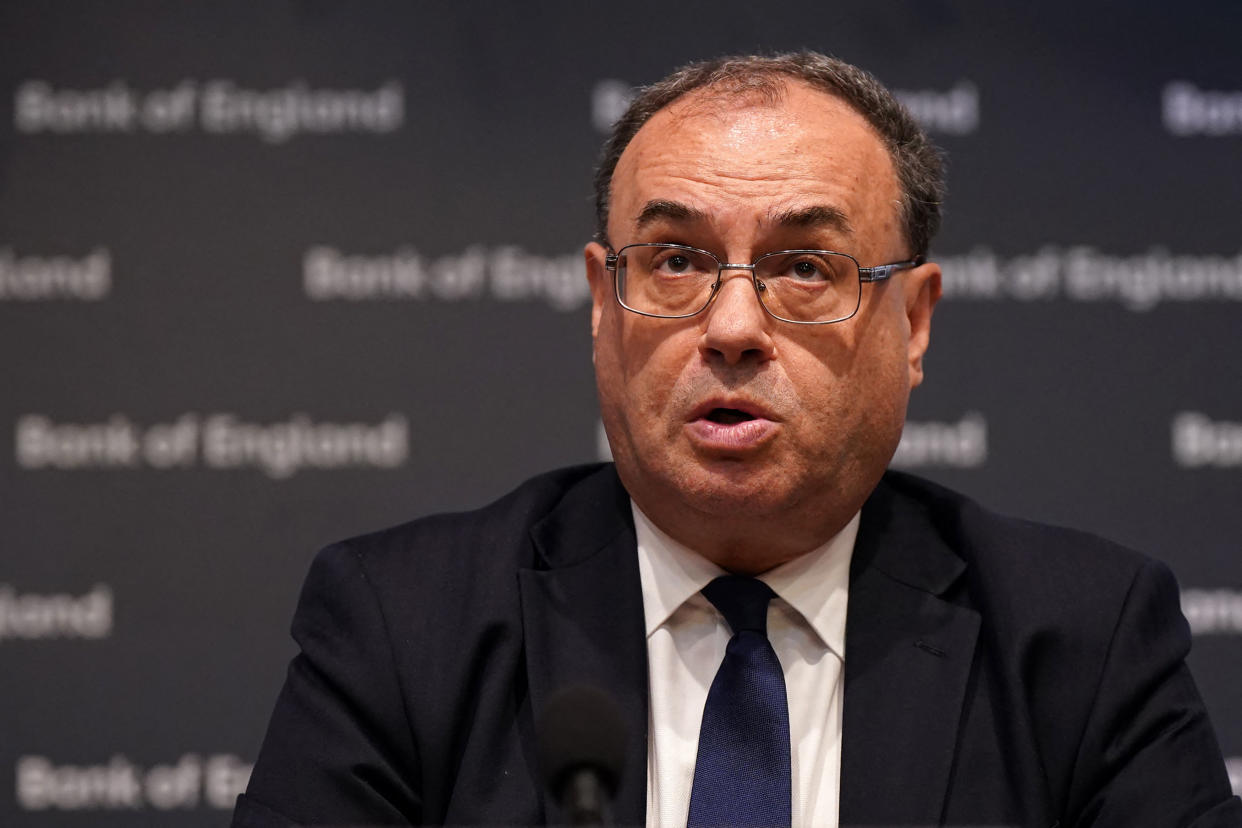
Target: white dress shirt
686, 640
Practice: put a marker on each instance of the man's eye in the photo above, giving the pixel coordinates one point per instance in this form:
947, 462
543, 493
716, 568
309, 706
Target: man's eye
676, 264
808, 271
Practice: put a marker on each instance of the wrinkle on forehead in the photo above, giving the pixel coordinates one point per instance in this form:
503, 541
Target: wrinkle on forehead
743, 124
805, 159
814, 215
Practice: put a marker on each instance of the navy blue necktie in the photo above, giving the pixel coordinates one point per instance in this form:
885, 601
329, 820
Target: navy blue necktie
741, 776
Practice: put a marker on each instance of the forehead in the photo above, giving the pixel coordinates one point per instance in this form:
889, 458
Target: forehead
739, 160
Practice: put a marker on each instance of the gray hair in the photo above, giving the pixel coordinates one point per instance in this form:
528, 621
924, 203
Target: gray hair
920, 171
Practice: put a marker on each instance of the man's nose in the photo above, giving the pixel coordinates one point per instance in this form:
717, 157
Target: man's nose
737, 327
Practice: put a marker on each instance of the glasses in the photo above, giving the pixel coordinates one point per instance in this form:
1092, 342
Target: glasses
806, 287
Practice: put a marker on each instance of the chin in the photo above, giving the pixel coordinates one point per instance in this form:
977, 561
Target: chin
730, 489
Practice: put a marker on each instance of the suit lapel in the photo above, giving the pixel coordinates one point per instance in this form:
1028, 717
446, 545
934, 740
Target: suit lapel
582, 616
908, 655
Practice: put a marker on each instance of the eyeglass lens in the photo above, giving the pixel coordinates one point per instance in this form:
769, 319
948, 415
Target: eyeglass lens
796, 285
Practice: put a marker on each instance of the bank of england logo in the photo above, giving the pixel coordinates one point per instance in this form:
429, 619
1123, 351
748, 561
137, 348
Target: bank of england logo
933, 444
216, 441
42, 616
189, 782
218, 106
1187, 110
1213, 611
28, 277
1200, 441
506, 274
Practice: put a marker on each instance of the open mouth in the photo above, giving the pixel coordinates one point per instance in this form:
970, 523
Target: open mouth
727, 416
725, 431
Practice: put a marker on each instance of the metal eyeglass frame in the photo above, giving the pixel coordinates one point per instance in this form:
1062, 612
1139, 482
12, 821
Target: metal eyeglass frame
876, 273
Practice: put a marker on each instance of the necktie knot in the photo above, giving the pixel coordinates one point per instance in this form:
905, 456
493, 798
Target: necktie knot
742, 601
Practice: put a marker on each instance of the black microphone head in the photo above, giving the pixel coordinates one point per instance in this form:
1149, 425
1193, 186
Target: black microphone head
581, 728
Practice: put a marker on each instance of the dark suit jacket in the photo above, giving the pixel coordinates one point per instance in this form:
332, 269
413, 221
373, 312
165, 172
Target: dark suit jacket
997, 672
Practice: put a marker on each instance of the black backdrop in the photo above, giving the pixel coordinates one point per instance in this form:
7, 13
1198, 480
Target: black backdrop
272, 274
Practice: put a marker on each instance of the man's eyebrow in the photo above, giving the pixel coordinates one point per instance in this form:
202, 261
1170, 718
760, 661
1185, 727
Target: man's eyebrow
818, 215
661, 209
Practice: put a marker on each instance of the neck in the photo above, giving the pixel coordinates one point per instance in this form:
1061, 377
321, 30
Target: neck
745, 546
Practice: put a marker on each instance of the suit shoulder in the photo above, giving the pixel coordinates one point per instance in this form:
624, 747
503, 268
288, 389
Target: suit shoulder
986, 538
1052, 600
495, 532
1031, 573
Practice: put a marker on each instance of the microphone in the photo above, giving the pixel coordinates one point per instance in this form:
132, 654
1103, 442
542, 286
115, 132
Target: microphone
581, 752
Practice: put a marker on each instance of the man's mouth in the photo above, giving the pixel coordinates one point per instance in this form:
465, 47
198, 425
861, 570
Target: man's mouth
723, 429
728, 416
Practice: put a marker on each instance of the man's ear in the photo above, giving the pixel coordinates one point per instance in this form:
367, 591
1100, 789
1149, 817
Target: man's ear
599, 280
921, 286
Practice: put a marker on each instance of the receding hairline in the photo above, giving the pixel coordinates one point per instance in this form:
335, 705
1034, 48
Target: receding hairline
917, 162
762, 89
705, 101
709, 100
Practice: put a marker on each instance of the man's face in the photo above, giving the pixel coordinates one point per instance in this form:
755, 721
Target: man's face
731, 426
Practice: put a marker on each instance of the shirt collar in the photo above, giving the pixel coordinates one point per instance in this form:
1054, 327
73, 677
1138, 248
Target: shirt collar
816, 584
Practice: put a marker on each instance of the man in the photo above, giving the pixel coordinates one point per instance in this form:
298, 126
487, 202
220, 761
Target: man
761, 310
